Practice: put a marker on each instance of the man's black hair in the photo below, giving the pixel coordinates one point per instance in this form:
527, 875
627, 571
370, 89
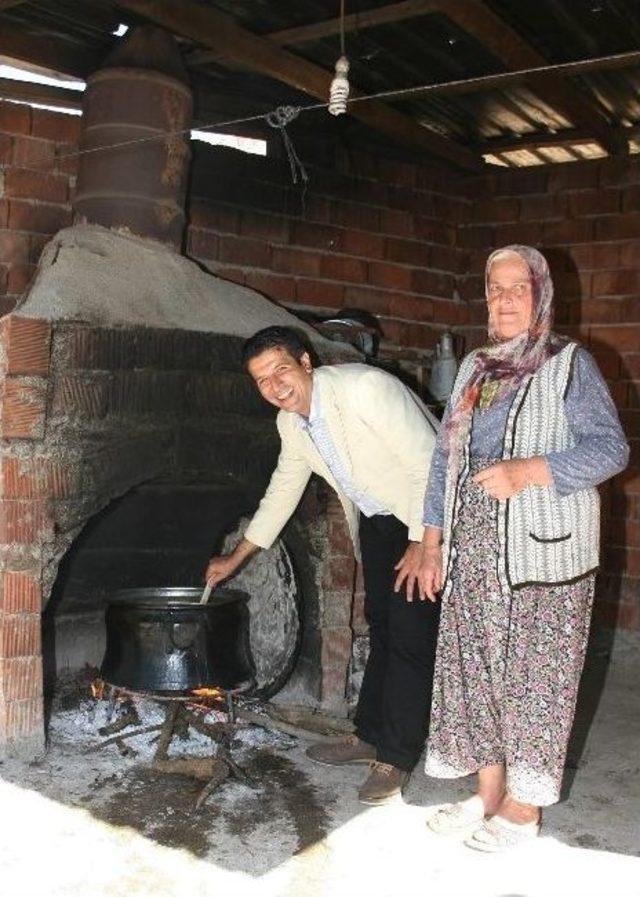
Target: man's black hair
275, 338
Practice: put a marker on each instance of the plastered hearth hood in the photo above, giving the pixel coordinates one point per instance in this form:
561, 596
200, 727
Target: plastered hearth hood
90, 274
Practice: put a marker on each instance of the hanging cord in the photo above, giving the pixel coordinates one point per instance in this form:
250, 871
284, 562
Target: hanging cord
279, 119
342, 50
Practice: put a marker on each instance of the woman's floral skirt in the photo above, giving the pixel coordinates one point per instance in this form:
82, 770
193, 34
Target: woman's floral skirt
508, 664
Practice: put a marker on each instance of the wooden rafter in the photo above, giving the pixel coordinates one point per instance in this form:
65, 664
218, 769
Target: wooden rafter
46, 52
7, 4
565, 139
211, 28
394, 12
477, 19
24, 91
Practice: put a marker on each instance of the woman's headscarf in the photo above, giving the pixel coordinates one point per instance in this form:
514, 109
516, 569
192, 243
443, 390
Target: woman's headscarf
507, 362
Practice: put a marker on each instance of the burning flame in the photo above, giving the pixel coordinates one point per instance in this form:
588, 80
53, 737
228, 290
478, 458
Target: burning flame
205, 692
98, 688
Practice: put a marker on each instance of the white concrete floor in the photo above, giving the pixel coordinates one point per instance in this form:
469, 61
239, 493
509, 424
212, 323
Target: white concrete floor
87, 824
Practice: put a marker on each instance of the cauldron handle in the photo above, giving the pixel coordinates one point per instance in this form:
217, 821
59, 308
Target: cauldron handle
183, 634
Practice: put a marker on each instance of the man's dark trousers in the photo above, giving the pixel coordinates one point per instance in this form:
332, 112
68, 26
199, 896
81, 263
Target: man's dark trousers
395, 698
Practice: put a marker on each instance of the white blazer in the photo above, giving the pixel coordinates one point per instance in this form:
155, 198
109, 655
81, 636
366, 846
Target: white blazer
384, 436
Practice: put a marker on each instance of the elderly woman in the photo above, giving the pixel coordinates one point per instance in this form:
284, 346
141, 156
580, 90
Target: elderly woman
512, 533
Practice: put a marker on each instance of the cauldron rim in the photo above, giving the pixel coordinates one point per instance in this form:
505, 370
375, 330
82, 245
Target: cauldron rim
158, 597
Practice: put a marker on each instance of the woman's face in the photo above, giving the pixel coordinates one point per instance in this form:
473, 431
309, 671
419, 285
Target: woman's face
510, 297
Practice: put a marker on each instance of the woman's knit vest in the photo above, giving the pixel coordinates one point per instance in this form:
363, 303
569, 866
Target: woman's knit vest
544, 538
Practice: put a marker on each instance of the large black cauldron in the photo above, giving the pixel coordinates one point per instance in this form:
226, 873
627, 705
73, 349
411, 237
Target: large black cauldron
163, 640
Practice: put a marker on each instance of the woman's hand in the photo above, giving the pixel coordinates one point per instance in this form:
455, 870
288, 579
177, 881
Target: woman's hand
430, 580
506, 478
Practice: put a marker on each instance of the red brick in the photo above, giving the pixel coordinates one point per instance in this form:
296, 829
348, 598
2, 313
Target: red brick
20, 635
595, 202
494, 211
25, 522
227, 272
336, 647
599, 311
22, 719
15, 118
6, 149
318, 236
38, 217
616, 283
21, 678
622, 227
631, 199
394, 277
214, 216
414, 308
37, 242
320, 293
4, 212
393, 172
20, 276
274, 286
475, 237
34, 478
620, 172
608, 363
339, 575
434, 231
272, 228
407, 252
14, 247
632, 366
452, 314
244, 252
26, 184
378, 302
27, 343
56, 126
573, 230
202, 244
318, 208
397, 222
629, 255
543, 207
29, 152
631, 313
355, 215
343, 268
623, 338
23, 409
593, 256
433, 283
527, 232
363, 243
447, 258
296, 261
21, 592
576, 176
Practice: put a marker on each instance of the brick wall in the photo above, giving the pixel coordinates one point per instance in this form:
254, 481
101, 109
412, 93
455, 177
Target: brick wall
36, 186
585, 217
374, 234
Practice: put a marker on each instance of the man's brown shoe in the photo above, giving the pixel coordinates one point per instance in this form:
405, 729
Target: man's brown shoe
345, 750
385, 782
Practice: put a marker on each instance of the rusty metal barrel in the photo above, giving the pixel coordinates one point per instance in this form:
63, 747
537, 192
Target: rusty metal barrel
135, 140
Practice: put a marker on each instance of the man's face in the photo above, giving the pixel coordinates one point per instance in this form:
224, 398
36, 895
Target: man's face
283, 380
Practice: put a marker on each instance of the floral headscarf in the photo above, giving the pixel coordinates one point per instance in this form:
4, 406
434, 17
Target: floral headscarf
507, 362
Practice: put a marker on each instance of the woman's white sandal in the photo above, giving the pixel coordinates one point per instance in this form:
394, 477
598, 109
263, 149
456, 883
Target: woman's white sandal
498, 834
453, 818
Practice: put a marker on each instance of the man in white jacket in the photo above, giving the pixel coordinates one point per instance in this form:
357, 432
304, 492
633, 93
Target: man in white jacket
371, 439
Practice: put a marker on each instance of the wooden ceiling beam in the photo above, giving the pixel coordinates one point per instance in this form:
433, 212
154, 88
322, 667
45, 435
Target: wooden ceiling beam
26, 92
209, 27
369, 18
477, 19
7, 4
565, 139
46, 51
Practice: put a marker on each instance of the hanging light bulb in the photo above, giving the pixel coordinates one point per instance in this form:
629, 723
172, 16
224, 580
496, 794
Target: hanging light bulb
339, 91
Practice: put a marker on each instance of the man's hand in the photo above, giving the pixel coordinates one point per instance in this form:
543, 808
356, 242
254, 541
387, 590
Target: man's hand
506, 478
220, 568
408, 568
223, 566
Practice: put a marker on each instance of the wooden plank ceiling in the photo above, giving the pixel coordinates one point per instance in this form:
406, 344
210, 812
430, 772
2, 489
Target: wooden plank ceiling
483, 66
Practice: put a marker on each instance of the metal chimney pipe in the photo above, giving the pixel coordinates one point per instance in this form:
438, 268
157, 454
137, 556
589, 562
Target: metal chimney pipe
128, 181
